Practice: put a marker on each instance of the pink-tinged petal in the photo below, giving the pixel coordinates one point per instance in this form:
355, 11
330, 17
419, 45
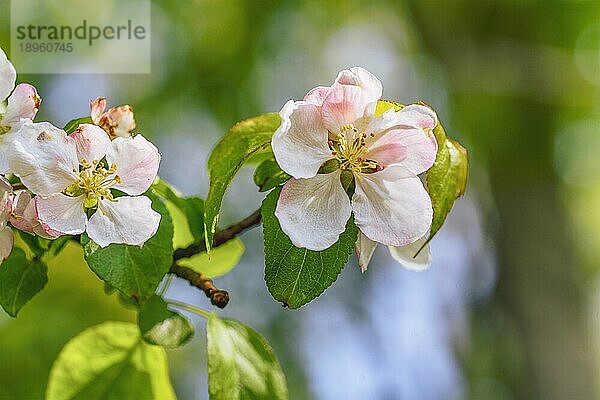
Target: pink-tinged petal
91, 142
61, 213
365, 248
128, 220
23, 103
97, 108
317, 95
300, 143
44, 158
6, 195
137, 162
414, 116
18, 211
343, 106
390, 210
8, 76
413, 149
313, 212
370, 86
24, 216
405, 255
6, 242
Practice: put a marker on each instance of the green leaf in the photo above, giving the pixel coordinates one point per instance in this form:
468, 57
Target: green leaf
296, 276
20, 280
447, 179
269, 175
241, 364
74, 123
163, 327
222, 259
110, 361
187, 214
242, 142
135, 271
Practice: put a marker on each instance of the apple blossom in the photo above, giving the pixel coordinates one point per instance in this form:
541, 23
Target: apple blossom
117, 121
23, 103
75, 175
332, 142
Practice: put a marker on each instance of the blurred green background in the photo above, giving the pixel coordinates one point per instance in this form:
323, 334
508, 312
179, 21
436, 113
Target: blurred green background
510, 308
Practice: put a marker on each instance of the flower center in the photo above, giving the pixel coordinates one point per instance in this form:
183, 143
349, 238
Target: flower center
95, 182
350, 149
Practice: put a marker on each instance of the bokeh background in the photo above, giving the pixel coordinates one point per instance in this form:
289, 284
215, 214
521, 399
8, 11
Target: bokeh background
510, 307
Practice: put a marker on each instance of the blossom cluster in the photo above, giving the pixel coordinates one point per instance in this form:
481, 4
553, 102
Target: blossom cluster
91, 180
345, 159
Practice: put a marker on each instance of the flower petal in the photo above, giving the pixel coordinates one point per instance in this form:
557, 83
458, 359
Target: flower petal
5, 200
405, 255
24, 216
128, 220
61, 213
24, 103
6, 242
404, 137
91, 142
391, 210
313, 212
8, 76
97, 108
343, 106
43, 157
317, 95
300, 143
413, 149
370, 86
137, 162
365, 248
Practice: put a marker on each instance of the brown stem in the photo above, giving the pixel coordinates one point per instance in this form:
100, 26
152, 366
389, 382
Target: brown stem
221, 237
217, 297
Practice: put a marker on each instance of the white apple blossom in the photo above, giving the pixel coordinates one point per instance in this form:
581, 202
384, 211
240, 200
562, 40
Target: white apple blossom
75, 175
333, 136
117, 121
16, 103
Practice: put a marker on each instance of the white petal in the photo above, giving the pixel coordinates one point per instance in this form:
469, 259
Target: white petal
365, 248
91, 142
343, 106
317, 95
313, 212
128, 220
390, 210
23, 103
413, 149
63, 214
6, 242
8, 76
44, 158
137, 162
370, 86
405, 255
404, 137
300, 143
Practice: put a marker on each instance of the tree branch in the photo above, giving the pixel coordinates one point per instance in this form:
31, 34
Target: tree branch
217, 297
221, 237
